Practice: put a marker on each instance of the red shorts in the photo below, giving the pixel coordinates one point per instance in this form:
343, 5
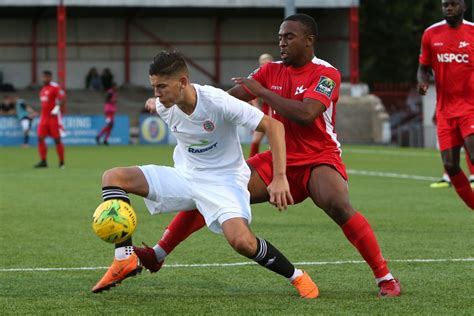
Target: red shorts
109, 117
49, 127
298, 176
453, 131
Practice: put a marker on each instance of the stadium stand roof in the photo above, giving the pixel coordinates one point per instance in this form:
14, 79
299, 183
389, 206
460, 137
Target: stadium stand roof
188, 3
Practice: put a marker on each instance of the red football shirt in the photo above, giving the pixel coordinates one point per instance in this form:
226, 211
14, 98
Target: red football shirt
316, 80
49, 95
450, 53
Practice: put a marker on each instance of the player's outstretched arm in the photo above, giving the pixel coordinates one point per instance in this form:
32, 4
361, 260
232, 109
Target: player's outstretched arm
278, 189
240, 93
302, 112
423, 77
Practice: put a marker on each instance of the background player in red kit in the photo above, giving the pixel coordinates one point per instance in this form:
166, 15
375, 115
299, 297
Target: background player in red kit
110, 107
302, 91
447, 47
52, 99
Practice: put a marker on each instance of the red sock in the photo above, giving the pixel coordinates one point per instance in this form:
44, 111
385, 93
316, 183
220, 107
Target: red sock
60, 151
107, 133
102, 132
469, 164
42, 149
463, 188
253, 149
357, 229
182, 225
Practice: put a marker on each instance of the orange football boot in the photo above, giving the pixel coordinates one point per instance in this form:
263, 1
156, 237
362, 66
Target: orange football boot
117, 272
305, 286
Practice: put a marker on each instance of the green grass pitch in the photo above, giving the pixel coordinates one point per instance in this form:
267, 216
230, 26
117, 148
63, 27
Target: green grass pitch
46, 223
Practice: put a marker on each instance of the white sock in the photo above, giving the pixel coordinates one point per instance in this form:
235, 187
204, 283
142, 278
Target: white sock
123, 252
296, 274
159, 253
446, 177
384, 278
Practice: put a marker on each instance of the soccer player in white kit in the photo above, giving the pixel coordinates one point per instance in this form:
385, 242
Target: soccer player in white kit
209, 171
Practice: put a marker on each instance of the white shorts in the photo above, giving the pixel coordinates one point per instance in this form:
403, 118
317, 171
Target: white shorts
216, 198
25, 124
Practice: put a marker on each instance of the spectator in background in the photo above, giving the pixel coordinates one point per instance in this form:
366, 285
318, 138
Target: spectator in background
93, 81
110, 107
107, 79
25, 115
257, 136
8, 105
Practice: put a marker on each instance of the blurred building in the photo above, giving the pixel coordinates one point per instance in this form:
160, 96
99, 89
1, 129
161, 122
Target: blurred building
221, 38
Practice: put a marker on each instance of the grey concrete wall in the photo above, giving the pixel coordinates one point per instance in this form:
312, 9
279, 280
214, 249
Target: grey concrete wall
429, 107
362, 120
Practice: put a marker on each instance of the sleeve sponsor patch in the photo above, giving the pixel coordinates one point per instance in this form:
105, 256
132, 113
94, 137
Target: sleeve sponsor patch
253, 73
325, 86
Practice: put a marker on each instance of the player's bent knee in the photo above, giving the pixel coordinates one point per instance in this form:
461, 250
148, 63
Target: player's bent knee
243, 245
114, 177
451, 168
339, 211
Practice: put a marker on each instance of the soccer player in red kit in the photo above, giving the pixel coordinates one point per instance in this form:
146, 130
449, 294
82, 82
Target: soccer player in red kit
302, 91
447, 47
110, 108
52, 99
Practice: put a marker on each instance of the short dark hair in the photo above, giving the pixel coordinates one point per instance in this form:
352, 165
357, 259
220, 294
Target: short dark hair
168, 63
47, 73
308, 22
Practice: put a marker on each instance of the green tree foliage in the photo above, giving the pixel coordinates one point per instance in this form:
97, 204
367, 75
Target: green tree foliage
390, 35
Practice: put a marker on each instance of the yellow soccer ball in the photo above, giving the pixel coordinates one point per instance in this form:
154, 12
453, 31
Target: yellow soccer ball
114, 221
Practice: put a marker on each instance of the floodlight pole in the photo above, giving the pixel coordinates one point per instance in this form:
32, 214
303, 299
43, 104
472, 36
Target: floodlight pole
354, 44
290, 8
61, 43
127, 50
34, 51
217, 50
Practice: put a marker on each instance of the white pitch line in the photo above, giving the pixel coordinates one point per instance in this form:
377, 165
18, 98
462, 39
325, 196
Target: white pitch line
237, 264
390, 175
391, 152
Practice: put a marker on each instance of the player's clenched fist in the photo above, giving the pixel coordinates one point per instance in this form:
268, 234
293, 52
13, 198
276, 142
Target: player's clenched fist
150, 105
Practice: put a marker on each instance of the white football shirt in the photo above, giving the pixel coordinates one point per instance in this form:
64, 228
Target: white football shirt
207, 140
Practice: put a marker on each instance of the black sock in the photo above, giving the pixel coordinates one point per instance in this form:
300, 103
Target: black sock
269, 257
109, 193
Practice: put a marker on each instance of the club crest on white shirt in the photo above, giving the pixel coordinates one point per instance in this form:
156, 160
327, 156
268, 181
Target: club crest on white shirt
208, 126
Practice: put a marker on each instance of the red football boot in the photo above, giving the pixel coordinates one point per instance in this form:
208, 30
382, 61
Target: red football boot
147, 258
389, 288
